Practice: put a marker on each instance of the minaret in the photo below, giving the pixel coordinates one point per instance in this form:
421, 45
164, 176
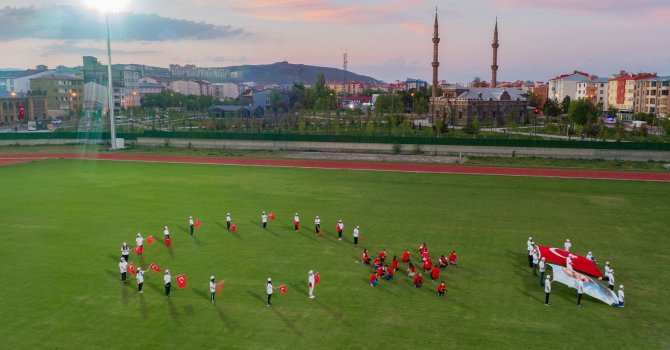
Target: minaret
435, 64
494, 66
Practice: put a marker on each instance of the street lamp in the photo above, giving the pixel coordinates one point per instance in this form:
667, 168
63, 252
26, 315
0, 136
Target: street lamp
107, 7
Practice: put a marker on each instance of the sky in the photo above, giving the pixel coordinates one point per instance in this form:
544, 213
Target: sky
386, 39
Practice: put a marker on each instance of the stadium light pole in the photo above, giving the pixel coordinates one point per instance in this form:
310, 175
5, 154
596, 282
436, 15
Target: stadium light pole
106, 7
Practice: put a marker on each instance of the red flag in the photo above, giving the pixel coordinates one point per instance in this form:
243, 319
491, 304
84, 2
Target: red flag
219, 287
151, 239
197, 222
131, 268
136, 250
181, 281
283, 289
317, 278
155, 268
579, 263
320, 233
271, 216
233, 228
168, 242
297, 224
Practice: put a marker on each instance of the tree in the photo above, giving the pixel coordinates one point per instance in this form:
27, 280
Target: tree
612, 111
582, 112
565, 105
551, 108
320, 86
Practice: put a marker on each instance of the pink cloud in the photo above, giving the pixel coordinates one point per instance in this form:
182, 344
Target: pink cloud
623, 7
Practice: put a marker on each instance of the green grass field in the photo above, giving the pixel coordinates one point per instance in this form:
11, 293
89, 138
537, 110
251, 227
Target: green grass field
64, 222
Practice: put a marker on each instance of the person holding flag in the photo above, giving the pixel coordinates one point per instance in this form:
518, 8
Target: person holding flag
139, 241
228, 221
139, 275
269, 289
542, 269
166, 233
567, 245
212, 289
580, 291
311, 282
531, 249
356, 232
264, 220
191, 224
123, 267
608, 270
125, 251
611, 280
317, 224
620, 295
536, 261
340, 228
166, 280
296, 222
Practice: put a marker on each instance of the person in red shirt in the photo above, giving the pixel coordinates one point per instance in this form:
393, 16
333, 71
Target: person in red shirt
380, 271
405, 257
427, 264
411, 271
425, 255
418, 281
394, 263
376, 262
389, 273
423, 248
453, 260
373, 280
366, 258
382, 255
442, 261
441, 289
435, 273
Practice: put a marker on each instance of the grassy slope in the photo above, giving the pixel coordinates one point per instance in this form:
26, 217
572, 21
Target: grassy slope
64, 222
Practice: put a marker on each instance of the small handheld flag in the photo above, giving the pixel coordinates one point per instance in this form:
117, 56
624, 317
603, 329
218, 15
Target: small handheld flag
320, 233
233, 228
317, 278
181, 281
283, 289
137, 250
151, 239
155, 268
168, 242
197, 222
219, 287
131, 268
271, 216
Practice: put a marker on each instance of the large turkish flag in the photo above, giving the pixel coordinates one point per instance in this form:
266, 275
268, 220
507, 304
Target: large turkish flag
579, 263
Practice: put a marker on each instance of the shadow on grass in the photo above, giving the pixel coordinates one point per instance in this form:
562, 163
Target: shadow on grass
333, 312
186, 229
257, 296
222, 226
197, 241
124, 294
266, 229
223, 317
173, 311
202, 293
156, 288
115, 257
144, 310
170, 251
281, 316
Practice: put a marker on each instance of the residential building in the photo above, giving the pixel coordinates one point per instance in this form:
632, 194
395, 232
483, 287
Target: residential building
226, 90
541, 92
651, 96
622, 91
149, 88
19, 80
415, 84
125, 81
191, 87
595, 90
63, 93
34, 106
565, 85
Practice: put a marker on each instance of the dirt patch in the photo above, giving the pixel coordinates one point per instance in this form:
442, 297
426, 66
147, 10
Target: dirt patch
367, 157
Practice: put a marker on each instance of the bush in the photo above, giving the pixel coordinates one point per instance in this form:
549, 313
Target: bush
416, 149
396, 148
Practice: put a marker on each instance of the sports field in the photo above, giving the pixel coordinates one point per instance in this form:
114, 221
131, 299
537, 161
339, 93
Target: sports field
64, 221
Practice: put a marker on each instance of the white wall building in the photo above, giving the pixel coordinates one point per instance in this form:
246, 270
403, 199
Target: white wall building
595, 90
565, 85
191, 87
225, 90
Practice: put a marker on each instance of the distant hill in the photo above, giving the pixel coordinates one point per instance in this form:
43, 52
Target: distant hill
286, 73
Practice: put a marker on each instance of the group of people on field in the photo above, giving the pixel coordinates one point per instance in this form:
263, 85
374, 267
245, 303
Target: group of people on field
382, 270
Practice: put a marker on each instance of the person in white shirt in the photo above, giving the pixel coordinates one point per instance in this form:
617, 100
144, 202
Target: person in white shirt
536, 260
228, 221
611, 280
264, 219
166, 233
270, 289
123, 267
357, 230
620, 295
140, 279
567, 245
531, 249
547, 289
191, 224
542, 269
568, 262
212, 289
580, 291
340, 228
608, 270
166, 280
317, 224
296, 222
591, 257
125, 251
139, 240
310, 283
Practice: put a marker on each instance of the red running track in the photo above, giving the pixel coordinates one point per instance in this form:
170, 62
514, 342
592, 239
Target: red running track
298, 163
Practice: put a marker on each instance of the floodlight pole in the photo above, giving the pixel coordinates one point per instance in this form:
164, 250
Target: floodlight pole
110, 92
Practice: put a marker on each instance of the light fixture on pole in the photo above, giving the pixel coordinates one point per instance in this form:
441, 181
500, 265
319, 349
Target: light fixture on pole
106, 7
